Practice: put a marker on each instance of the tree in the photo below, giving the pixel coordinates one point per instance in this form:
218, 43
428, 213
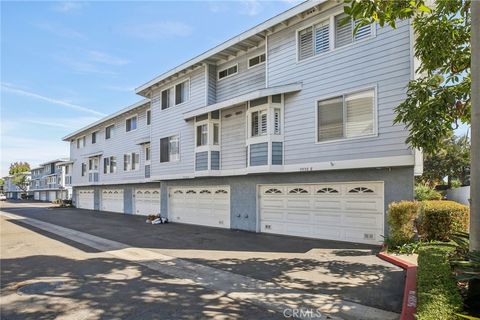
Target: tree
21, 181
450, 160
442, 96
19, 167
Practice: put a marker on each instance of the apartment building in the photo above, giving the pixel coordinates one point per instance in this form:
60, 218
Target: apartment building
52, 180
286, 128
11, 190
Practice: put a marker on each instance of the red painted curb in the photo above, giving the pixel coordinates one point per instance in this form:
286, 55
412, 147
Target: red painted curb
409, 305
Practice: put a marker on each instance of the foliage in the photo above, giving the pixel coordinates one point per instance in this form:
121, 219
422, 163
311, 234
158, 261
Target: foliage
437, 294
466, 263
409, 248
401, 220
451, 159
440, 98
2, 182
423, 192
18, 167
21, 181
439, 220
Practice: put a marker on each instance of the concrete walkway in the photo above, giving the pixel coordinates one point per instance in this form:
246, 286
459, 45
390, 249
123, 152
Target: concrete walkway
240, 287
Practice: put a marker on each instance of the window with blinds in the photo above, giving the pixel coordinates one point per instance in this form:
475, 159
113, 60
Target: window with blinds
276, 121
322, 37
169, 149
259, 123
305, 43
346, 116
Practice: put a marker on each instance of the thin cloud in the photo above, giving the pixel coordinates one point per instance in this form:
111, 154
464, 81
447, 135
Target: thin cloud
251, 7
121, 88
68, 6
64, 123
105, 58
60, 30
18, 91
82, 66
158, 30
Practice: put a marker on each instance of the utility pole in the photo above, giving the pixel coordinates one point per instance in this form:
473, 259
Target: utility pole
475, 122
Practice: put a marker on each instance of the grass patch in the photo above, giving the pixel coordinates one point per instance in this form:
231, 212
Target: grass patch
437, 291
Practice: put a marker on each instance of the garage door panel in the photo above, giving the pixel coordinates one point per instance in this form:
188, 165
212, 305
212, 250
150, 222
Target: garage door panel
147, 201
373, 205
112, 200
340, 211
85, 199
208, 206
327, 204
327, 219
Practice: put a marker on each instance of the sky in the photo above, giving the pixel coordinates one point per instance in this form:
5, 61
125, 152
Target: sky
67, 64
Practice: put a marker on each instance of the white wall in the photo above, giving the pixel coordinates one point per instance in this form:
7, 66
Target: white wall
460, 195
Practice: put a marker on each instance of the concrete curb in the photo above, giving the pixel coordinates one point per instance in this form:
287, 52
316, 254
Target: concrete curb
409, 306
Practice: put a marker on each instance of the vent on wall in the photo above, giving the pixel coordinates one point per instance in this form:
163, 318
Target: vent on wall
368, 236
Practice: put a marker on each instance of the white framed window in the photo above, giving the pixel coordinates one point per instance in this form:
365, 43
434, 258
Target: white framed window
131, 161
81, 142
93, 164
94, 137
131, 124
216, 134
109, 131
202, 135
109, 165
175, 95
259, 123
84, 169
328, 34
148, 116
256, 61
147, 152
228, 72
277, 113
347, 116
169, 149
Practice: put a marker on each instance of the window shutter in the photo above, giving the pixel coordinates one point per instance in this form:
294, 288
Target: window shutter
105, 165
254, 123
359, 113
264, 122
199, 136
126, 160
322, 41
149, 115
276, 119
363, 32
305, 43
164, 149
343, 32
330, 119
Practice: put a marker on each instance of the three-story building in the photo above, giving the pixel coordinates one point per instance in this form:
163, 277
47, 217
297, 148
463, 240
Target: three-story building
52, 180
286, 128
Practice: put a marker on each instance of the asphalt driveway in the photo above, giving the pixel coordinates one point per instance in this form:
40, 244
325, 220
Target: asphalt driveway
349, 271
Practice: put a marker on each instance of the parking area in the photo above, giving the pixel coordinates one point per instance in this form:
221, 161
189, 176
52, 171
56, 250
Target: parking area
349, 271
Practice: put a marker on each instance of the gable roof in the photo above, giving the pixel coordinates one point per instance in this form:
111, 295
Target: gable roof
259, 29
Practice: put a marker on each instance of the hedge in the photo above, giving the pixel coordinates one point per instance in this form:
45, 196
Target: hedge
437, 294
438, 220
401, 219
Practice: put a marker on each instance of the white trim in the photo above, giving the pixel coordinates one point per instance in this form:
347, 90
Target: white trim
260, 93
383, 162
342, 95
266, 61
226, 68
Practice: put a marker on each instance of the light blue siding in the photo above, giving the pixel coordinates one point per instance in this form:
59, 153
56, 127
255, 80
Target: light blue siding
233, 127
212, 84
244, 81
201, 161
259, 154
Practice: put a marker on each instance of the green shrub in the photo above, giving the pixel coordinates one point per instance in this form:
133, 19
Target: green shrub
438, 220
401, 220
437, 294
423, 192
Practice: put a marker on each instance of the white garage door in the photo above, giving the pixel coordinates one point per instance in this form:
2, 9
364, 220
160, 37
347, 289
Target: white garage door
52, 195
207, 206
147, 201
36, 195
338, 211
85, 199
112, 200
43, 196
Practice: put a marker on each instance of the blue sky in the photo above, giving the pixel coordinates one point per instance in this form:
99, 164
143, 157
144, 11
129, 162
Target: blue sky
65, 64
